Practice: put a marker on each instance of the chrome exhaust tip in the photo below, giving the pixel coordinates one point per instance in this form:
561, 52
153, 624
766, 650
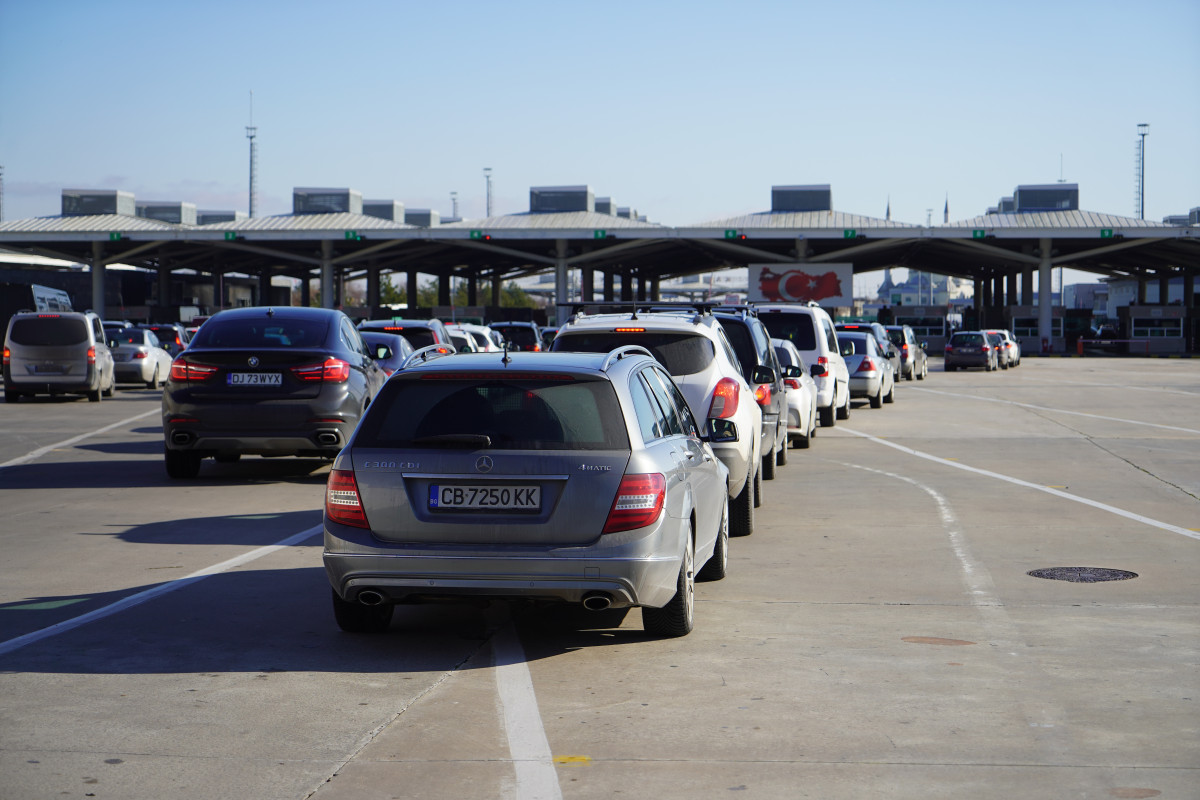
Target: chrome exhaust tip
181, 437
327, 438
597, 601
370, 597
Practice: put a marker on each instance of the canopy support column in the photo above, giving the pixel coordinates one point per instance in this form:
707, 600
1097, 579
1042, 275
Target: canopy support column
562, 289
98, 279
1045, 296
327, 300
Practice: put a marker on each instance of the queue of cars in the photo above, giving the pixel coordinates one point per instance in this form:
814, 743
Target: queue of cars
608, 472
989, 350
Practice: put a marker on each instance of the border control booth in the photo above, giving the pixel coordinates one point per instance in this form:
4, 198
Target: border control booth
1154, 330
1022, 323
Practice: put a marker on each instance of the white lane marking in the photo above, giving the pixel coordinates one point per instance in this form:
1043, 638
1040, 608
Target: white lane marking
157, 591
1120, 512
41, 451
537, 778
1056, 410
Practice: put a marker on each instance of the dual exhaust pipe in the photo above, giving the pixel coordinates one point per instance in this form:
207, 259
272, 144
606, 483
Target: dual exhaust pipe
592, 601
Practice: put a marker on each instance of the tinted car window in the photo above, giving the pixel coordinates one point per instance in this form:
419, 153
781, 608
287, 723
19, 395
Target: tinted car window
647, 411
897, 337
681, 353
743, 345
860, 343
671, 417
133, 336
966, 338
515, 413
271, 332
56, 331
681, 405
520, 335
796, 328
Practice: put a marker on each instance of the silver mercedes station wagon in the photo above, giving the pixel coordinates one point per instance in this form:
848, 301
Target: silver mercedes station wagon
554, 477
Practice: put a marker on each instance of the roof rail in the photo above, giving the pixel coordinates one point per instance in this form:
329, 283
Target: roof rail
427, 353
623, 352
737, 308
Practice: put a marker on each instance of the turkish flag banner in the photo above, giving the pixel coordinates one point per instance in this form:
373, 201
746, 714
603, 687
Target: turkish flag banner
827, 284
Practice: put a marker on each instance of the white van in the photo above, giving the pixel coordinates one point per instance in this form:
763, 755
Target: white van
810, 329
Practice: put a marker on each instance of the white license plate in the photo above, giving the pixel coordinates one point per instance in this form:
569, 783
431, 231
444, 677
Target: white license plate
499, 498
255, 379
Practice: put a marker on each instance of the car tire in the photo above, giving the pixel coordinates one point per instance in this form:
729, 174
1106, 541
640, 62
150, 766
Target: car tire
181, 465
677, 616
768, 466
94, 396
11, 396
718, 564
877, 398
781, 455
741, 514
828, 415
758, 490
949, 368
924, 371
153, 382
357, 618
844, 411
112, 387
890, 397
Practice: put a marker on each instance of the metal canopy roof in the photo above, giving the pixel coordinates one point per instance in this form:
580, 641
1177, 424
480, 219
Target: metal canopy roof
519, 244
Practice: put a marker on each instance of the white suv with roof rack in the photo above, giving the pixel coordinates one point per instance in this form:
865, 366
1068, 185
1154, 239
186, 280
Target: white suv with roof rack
692, 346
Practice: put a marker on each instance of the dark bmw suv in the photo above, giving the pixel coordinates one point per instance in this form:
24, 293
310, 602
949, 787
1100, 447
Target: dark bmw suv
267, 381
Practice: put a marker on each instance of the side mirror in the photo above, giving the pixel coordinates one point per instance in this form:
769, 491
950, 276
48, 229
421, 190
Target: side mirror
924, 345
112, 343
382, 351
847, 350
720, 431
792, 372
763, 375
818, 371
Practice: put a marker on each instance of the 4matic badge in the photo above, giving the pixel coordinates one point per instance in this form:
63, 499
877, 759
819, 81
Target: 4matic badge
595, 468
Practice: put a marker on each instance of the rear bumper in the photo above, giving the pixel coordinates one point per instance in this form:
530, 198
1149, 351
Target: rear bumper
865, 387
636, 573
53, 384
980, 360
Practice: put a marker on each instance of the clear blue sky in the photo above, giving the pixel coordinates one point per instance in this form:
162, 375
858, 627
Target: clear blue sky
686, 111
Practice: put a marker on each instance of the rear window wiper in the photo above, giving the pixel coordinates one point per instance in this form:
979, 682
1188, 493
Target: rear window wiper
455, 440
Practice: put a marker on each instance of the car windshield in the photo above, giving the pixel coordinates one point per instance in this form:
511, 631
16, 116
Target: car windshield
48, 330
519, 413
680, 352
261, 332
796, 328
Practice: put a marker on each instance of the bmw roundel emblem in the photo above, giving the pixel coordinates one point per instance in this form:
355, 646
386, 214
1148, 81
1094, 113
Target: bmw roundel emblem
484, 464
252, 361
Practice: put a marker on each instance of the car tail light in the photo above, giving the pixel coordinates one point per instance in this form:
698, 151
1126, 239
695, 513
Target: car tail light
986, 349
186, 372
791, 383
140, 354
333, 370
629, 330
342, 503
724, 399
949, 348
762, 394
904, 348
7, 355
867, 365
638, 503
91, 355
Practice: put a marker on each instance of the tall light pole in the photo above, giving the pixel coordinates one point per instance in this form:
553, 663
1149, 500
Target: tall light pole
454, 204
251, 132
487, 175
1143, 130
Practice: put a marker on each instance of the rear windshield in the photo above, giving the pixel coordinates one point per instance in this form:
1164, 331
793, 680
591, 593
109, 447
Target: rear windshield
128, 336
520, 335
273, 332
796, 328
514, 414
897, 337
680, 352
966, 338
859, 342
48, 331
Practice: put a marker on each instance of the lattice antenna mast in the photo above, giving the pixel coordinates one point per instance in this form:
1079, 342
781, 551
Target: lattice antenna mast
1139, 172
251, 133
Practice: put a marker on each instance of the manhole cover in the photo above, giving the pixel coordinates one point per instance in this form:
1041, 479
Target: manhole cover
1082, 574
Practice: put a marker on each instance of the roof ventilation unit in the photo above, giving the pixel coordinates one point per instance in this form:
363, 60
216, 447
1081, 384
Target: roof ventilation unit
326, 201
817, 197
212, 216
1046, 197
384, 209
178, 213
423, 217
89, 202
625, 212
557, 199
605, 205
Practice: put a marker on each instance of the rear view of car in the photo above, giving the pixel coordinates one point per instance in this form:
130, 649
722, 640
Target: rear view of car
556, 477
139, 358
62, 352
969, 349
871, 373
526, 336
267, 381
419, 332
810, 330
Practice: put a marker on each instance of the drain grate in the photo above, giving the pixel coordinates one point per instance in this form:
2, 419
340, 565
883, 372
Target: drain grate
1082, 574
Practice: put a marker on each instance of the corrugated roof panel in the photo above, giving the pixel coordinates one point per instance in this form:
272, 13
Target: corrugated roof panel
832, 220
566, 220
1055, 219
96, 223
338, 221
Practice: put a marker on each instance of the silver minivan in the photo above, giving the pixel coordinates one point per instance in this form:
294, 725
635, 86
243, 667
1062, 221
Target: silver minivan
57, 352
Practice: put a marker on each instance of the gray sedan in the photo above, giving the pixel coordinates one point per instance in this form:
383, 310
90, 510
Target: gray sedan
871, 373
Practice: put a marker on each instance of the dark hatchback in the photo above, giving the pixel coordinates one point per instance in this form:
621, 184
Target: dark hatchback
267, 381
